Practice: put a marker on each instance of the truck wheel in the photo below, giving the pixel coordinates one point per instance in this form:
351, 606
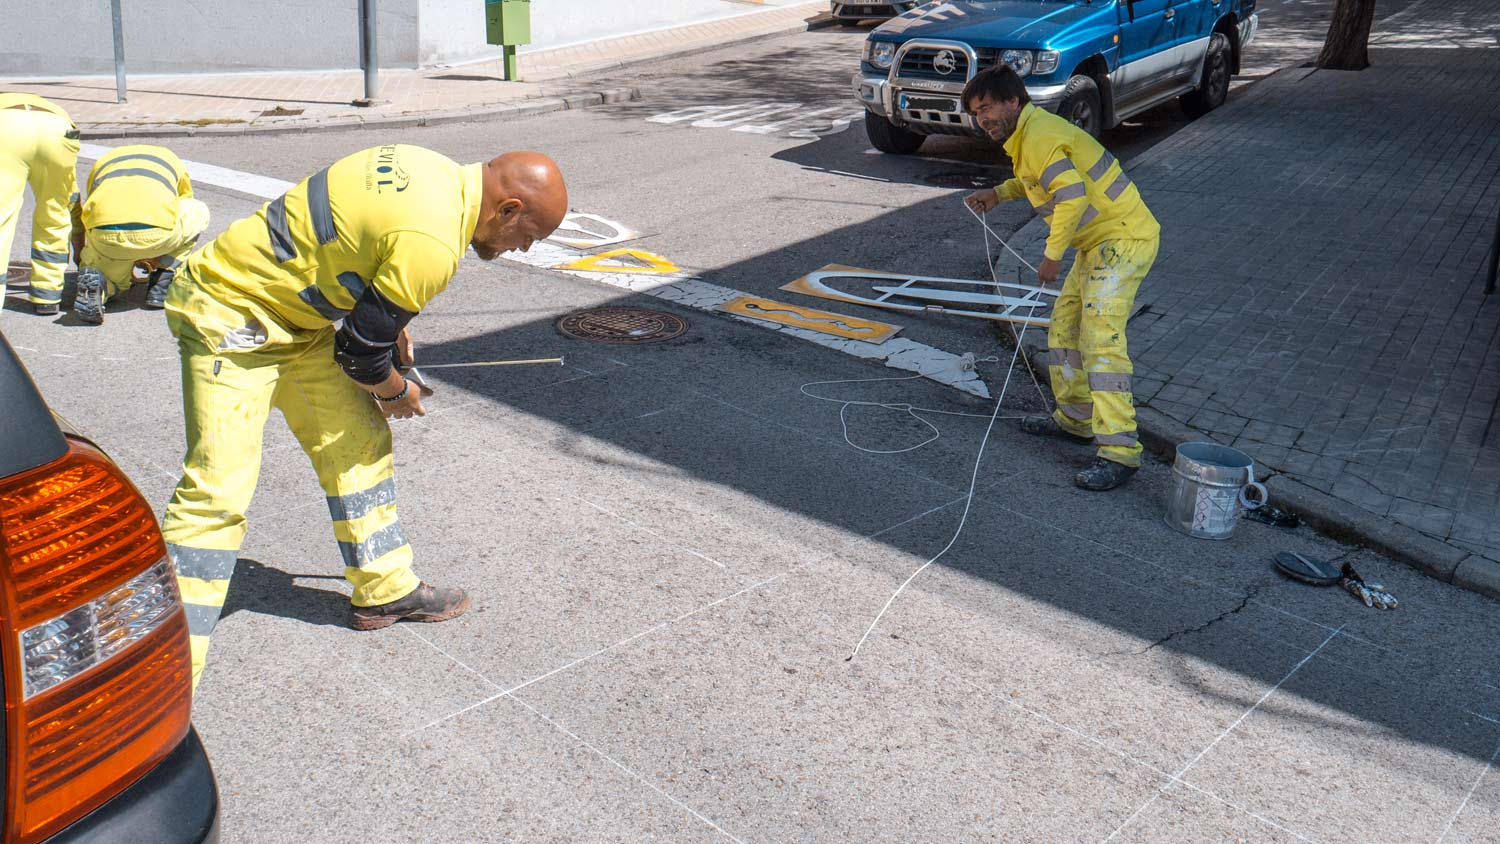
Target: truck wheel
1080, 105
888, 137
1214, 89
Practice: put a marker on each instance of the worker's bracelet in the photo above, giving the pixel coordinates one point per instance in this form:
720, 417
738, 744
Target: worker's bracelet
405, 388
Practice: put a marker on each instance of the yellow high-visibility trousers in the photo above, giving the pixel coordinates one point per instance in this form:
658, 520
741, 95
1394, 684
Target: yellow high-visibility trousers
1087, 356
115, 251
35, 150
234, 371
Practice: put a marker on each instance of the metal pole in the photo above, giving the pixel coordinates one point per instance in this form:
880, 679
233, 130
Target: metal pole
114, 12
1489, 286
369, 53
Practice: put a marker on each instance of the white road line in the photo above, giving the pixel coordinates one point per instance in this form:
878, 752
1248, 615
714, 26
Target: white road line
1227, 730
209, 174
686, 289
1467, 797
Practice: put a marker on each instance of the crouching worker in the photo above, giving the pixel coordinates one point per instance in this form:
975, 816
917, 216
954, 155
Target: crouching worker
298, 308
138, 209
1091, 206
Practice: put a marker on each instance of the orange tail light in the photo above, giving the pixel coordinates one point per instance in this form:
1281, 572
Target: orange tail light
95, 647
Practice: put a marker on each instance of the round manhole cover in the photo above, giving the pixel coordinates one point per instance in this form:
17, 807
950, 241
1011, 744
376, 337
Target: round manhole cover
963, 179
621, 325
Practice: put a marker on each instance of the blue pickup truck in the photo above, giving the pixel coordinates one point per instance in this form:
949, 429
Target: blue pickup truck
1094, 62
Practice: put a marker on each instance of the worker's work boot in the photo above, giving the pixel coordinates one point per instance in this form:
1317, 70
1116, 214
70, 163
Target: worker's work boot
426, 603
44, 308
1046, 426
157, 288
1103, 475
88, 305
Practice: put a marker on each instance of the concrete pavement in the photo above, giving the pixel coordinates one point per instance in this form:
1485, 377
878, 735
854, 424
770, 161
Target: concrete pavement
672, 552
1318, 300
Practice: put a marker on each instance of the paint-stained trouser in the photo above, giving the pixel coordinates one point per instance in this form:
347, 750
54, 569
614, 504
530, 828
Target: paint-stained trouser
1088, 361
35, 151
234, 370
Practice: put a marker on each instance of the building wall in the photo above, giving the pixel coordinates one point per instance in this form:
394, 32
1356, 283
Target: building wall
73, 37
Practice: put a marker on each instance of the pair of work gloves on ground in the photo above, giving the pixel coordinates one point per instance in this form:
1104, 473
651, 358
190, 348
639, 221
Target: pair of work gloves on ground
1373, 594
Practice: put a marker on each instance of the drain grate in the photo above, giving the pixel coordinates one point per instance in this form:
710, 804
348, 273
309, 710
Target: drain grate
621, 325
963, 179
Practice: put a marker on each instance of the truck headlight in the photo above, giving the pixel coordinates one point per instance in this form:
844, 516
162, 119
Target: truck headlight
880, 53
1019, 60
1046, 62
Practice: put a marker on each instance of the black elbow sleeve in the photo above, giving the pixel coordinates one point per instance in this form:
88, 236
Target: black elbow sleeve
365, 343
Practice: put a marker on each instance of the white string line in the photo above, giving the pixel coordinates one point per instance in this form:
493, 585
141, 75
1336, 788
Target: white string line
973, 478
995, 277
1227, 730
1474, 788
649, 532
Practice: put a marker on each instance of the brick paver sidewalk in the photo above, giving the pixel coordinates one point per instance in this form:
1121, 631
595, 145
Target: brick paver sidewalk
1318, 301
235, 103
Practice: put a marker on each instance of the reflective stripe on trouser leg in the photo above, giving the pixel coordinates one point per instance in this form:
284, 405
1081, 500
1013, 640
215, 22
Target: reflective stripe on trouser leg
1114, 271
349, 443
54, 180
226, 399
1070, 383
203, 576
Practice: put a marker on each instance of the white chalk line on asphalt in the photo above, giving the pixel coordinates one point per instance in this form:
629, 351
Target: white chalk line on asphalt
1461, 806
1227, 730
684, 289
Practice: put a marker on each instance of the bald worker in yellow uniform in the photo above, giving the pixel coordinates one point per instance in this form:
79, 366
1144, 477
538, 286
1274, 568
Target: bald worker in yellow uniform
302, 307
38, 147
137, 209
1092, 207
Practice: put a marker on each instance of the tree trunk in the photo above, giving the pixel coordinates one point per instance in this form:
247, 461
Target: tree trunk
1348, 44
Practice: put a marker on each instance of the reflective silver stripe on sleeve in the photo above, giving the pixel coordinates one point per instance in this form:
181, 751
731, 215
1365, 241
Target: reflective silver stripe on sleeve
1067, 192
1046, 209
48, 257
140, 156
1127, 439
1057, 168
1118, 187
319, 302
1109, 382
202, 563
1101, 166
136, 171
321, 207
375, 546
43, 295
1088, 216
282, 245
353, 283
357, 505
1077, 412
201, 618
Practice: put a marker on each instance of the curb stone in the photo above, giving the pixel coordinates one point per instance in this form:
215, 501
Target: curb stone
523, 108
1325, 513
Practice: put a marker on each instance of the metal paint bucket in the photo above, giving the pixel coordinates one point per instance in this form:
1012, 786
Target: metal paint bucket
1208, 490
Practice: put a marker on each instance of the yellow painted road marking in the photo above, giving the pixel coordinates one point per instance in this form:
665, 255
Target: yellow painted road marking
825, 322
633, 261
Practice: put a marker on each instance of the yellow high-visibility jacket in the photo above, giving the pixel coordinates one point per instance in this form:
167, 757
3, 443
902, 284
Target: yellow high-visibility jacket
397, 217
1074, 184
136, 184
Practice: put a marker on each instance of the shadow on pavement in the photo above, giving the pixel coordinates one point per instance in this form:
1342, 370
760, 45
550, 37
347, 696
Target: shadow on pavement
259, 588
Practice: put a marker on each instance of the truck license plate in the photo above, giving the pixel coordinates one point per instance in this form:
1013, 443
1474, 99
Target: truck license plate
947, 105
